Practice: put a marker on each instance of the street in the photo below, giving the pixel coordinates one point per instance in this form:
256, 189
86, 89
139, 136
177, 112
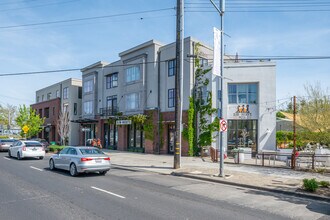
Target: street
28, 190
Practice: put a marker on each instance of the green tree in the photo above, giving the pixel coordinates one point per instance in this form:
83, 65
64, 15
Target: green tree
7, 115
314, 110
27, 116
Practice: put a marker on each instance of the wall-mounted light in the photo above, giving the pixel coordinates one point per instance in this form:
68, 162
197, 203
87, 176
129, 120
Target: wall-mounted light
267, 131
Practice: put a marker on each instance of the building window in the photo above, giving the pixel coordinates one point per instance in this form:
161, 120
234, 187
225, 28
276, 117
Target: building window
203, 62
79, 92
57, 93
42, 98
75, 106
38, 98
204, 94
40, 113
242, 93
49, 95
132, 101
171, 67
112, 80
242, 134
132, 74
88, 86
171, 98
46, 112
65, 93
88, 108
112, 103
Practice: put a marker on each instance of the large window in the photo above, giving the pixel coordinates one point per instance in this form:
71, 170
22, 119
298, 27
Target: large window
111, 104
88, 86
242, 134
171, 67
132, 101
49, 95
132, 74
88, 108
65, 93
242, 93
112, 80
135, 136
46, 110
57, 93
171, 98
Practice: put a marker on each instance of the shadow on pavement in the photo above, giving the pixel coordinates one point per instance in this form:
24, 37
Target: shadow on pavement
66, 173
312, 205
136, 166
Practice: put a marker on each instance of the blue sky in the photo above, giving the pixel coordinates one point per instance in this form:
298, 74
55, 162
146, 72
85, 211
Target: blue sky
78, 44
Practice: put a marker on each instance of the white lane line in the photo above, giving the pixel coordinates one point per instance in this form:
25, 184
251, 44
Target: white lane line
6, 158
102, 190
36, 168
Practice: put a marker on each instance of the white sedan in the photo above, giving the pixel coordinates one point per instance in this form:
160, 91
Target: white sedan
26, 149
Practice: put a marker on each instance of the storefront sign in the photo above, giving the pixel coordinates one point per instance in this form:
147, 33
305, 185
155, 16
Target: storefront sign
85, 129
243, 112
123, 122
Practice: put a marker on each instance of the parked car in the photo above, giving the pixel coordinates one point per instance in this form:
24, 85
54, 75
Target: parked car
5, 144
44, 143
80, 160
26, 149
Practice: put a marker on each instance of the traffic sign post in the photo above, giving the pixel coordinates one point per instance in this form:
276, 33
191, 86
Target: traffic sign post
223, 125
25, 130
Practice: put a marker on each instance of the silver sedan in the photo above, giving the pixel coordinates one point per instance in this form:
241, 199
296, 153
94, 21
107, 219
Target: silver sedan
80, 160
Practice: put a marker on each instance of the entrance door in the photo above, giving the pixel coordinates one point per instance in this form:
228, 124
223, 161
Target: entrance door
171, 138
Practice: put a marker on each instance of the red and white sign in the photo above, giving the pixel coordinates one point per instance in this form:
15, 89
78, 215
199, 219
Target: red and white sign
223, 125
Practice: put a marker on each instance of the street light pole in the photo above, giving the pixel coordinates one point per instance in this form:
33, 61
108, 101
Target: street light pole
221, 142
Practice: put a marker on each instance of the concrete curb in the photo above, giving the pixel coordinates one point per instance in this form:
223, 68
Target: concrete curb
260, 188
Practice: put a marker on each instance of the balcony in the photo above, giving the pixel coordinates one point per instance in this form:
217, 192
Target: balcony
108, 112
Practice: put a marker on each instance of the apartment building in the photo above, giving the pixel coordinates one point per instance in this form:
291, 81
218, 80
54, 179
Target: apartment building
50, 101
142, 82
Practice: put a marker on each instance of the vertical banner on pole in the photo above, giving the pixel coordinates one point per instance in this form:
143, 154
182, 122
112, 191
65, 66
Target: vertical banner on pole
216, 51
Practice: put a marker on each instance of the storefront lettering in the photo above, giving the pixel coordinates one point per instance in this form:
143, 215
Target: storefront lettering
242, 112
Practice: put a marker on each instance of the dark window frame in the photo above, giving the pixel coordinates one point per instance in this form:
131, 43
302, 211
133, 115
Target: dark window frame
171, 67
171, 98
112, 80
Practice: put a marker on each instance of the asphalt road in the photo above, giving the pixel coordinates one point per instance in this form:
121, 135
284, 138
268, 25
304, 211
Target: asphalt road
28, 190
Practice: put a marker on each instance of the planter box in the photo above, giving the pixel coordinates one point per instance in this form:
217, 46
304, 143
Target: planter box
239, 156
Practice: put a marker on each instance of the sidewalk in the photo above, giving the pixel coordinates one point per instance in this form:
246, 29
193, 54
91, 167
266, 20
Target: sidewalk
265, 178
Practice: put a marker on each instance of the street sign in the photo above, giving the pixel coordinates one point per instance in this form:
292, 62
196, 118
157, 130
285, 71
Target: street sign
25, 129
85, 129
223, 125
123, 122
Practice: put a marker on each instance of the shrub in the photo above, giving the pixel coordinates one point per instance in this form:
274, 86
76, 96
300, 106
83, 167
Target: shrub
310, 185
55, 148
324, 183
280, 115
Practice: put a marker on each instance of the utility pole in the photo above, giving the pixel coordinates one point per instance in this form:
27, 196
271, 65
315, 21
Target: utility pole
293, 157
178, 83
221, 11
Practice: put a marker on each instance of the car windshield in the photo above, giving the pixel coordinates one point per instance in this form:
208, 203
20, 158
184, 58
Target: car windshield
33, 144
90, 151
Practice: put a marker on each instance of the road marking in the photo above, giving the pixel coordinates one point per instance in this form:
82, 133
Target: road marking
36, 168
6, 158
102, 190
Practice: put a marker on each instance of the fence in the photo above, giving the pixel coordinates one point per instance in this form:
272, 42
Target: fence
303, 160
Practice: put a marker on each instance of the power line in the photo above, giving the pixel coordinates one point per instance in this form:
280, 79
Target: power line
87, 18
38, 6
18, 2
263, 11
153, 62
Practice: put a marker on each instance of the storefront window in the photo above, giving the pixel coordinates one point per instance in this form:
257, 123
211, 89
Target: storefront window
242, 134
135, 136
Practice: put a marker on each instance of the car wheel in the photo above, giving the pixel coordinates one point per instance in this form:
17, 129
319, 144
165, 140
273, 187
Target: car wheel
41, 158
51, 164
73, 170
18, 156
9, 154
103, 173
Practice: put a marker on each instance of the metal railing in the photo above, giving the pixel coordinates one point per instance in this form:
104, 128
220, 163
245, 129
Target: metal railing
108, 111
